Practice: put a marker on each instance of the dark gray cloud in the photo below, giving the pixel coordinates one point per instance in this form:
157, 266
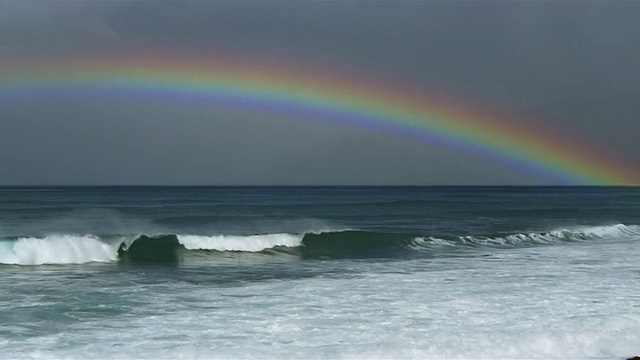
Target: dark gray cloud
569, 65
52, 27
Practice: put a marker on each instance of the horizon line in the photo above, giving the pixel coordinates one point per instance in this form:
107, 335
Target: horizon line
17, 186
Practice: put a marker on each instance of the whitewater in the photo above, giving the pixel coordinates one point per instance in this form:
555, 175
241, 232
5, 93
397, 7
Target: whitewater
348, 273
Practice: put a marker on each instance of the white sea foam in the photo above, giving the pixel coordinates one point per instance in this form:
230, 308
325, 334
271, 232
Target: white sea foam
57, 249
239, 243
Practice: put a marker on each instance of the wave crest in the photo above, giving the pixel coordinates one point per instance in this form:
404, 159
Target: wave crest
251, 243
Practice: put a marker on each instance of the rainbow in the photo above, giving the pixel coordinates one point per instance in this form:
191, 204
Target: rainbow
318, 94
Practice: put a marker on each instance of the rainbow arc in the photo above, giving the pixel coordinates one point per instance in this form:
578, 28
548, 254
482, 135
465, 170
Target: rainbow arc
316, 94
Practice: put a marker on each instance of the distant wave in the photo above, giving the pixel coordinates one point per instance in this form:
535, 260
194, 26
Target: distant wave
170, 248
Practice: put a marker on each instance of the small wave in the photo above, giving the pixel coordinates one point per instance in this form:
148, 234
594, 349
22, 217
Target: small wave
617, 231
56, 249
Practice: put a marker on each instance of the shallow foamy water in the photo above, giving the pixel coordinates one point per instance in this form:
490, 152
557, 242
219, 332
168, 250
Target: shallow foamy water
570, 300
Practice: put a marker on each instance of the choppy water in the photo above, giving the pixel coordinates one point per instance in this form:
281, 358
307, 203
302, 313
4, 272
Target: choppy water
319, 273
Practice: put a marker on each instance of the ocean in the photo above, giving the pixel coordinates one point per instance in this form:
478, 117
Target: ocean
319, 272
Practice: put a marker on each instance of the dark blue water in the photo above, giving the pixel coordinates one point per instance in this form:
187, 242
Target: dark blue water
422, 211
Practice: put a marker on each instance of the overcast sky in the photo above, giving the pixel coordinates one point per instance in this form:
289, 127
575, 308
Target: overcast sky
571, 65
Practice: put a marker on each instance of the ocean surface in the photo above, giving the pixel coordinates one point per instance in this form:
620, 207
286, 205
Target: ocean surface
319, 272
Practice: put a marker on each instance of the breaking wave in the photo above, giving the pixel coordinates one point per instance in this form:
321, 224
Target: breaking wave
56, 249
171, 248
